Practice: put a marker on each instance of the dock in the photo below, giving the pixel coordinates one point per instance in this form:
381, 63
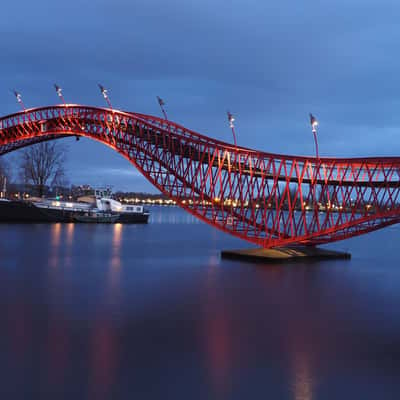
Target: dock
284, 254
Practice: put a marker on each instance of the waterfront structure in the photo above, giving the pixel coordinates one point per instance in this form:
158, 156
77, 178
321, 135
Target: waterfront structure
267, 199
55, 210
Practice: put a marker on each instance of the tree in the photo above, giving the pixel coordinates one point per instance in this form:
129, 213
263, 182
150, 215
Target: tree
43, 163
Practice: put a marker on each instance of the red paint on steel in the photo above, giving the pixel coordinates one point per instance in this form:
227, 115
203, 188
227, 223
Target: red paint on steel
267, 199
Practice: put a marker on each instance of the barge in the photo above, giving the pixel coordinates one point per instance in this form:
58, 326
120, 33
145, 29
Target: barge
53, 210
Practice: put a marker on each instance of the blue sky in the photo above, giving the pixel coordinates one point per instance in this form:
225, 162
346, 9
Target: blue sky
270, 63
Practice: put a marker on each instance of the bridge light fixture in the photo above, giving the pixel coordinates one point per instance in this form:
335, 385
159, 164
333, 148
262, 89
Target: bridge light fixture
59, 93
314, 124
104, 92
231, 121
18, 96
161, 103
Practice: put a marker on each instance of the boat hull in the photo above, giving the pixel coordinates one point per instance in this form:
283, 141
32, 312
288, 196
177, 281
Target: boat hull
21, 211
27, 212
97, 219
133, 218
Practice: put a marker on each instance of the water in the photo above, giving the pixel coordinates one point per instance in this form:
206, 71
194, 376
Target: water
152, 312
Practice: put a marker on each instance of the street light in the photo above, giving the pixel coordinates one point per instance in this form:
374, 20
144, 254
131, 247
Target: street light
59, 93
314, 124
19, 99
231, 120
161, 102
103, 91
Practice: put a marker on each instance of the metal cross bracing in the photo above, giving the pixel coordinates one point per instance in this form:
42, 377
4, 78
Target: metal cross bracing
267, 199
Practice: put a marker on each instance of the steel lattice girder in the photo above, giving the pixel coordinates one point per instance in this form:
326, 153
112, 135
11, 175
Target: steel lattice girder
267, 199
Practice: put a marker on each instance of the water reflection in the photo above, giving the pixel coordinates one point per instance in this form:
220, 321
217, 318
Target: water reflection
113, 285
303, 378
104, 349
171, 215
55, 232
225, 329
301, 334
68, 244
20, 329
57, 338
58, 341
70, 233
217, 334
104, 359
116, 246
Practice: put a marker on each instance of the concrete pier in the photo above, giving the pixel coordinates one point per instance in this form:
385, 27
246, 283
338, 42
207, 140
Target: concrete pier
284, 254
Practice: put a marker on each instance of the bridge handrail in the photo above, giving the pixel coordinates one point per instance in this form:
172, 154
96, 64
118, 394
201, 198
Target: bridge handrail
159, 123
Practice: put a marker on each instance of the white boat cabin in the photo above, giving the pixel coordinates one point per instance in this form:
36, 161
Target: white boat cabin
105, 202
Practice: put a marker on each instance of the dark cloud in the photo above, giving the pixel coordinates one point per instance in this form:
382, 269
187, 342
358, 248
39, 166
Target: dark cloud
268, 62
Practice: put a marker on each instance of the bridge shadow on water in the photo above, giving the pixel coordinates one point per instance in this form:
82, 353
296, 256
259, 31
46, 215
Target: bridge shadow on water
151, 311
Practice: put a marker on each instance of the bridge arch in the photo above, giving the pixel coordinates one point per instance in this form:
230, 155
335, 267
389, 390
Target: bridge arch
267, 199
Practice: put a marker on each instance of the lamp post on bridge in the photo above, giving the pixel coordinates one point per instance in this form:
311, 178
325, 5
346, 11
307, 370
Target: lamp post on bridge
19, 100
161, 102
231, 119
103, 91
59, 93
314, 124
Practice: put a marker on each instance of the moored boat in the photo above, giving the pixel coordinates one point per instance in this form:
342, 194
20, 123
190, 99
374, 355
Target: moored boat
53, 210
127, 213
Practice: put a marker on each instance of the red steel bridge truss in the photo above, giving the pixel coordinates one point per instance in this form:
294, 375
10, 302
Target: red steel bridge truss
267, 199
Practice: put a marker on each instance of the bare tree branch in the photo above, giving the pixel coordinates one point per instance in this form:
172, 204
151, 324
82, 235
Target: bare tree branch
43, 162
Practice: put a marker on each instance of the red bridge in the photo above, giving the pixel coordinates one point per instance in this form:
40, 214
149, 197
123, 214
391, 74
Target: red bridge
267, 199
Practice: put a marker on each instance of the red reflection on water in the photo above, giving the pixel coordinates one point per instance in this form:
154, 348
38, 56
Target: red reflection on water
103, 366
302, 338
217, 334
20, 330
58, 344
218, 347
104, 354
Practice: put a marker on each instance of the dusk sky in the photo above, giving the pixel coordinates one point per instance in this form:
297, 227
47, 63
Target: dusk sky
269, 63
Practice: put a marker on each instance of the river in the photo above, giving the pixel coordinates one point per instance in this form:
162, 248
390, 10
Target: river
152, 312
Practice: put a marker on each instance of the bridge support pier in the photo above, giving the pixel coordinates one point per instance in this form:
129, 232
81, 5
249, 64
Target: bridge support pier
284, 254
